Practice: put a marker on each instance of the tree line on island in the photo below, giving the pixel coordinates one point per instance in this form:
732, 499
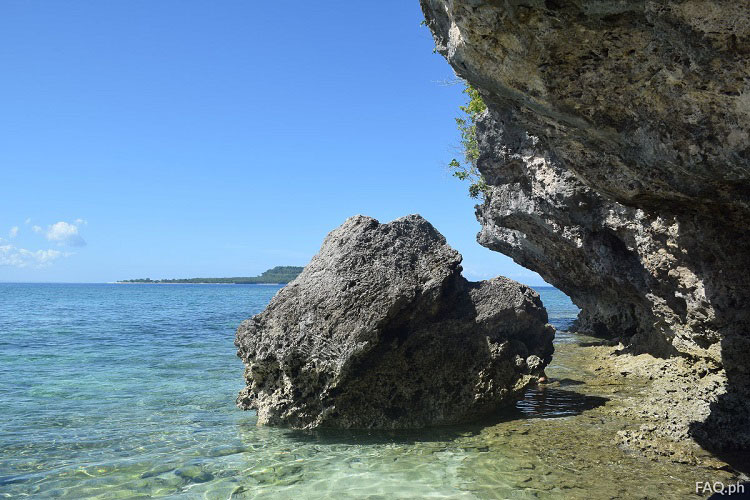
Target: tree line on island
279, 274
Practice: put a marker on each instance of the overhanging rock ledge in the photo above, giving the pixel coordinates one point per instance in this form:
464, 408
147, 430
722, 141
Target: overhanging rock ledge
617, 146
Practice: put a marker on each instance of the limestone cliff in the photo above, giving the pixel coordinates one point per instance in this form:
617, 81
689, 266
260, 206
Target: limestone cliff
617, 145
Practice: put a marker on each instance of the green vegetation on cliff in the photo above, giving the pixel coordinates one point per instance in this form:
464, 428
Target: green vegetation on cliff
279, 274
467, 170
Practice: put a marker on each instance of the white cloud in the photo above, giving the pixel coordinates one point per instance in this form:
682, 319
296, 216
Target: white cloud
65, 234
81, 222
36, 229
20, 257
28, 220
13, 232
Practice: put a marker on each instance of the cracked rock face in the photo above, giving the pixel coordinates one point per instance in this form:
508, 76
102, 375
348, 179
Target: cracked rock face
380, 330
617, 145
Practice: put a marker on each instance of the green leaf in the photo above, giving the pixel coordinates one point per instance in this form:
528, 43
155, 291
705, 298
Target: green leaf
467, 128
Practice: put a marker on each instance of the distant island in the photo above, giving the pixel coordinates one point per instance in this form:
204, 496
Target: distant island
279, 274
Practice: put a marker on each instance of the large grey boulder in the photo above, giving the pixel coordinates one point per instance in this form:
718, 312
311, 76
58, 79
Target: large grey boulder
381, 331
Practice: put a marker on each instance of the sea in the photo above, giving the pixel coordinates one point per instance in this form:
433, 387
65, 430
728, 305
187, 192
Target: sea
127, 391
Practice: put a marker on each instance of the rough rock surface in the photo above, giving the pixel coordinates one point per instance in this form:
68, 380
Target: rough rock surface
617, 145
381, 331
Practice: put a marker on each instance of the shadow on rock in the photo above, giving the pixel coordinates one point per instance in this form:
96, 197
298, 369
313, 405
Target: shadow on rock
726, 431
538, 402
567, 382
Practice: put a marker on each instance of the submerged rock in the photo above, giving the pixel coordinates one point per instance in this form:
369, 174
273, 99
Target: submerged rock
616, 142
381, 331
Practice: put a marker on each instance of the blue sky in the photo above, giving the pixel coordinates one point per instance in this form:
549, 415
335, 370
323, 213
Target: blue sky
181, 138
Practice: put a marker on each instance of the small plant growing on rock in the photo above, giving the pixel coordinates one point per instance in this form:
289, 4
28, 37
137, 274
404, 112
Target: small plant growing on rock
467, 170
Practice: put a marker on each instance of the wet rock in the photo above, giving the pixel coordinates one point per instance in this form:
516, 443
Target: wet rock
194, 474
617, 146
380, 330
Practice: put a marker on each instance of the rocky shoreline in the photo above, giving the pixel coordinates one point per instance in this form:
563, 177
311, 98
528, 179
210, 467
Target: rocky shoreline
676, 393
570, 455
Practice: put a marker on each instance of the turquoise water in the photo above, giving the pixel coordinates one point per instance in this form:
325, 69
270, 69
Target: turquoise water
127, 391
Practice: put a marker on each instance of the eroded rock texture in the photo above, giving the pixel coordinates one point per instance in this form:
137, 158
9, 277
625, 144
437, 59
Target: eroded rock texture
381, 331
617, 144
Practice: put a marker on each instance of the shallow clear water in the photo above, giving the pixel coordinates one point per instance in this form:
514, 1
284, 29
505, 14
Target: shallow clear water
127, 391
